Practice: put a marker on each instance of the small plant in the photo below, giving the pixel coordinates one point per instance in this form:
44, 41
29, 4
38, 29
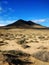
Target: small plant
1, 40
42, 55
21, 41
41, 37
25, 46
1, 34
9, 36
42, 47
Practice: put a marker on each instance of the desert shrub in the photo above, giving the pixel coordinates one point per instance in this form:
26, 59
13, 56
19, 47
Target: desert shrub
4, 43
23, 36
31, 41
1, 40
41, 37
25, 46
19, 36
13, 54
42, 55
21, 41
9, 36
16, 53
14, 57
0, 50
42, 47
34, 40
16, 61
1, 34
20, 53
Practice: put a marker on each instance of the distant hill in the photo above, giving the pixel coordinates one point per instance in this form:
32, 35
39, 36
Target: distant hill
24, 24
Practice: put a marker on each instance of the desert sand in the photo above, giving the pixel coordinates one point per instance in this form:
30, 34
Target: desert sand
33, 44
24, 43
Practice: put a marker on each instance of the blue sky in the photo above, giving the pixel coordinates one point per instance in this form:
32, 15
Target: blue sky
35, 10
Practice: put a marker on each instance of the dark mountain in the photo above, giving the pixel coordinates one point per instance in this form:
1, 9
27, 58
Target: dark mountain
24, 24
21, 22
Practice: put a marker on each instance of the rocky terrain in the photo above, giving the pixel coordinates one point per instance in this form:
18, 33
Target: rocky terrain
24, 46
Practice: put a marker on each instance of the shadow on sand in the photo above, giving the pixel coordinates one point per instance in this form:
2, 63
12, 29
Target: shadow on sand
11, 59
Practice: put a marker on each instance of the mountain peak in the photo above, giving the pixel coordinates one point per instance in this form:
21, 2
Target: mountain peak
20, 20
24, 24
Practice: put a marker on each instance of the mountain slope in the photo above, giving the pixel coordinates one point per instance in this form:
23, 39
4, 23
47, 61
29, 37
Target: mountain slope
24, 24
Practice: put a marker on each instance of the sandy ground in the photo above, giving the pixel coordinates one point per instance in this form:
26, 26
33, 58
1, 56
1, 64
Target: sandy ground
36, 40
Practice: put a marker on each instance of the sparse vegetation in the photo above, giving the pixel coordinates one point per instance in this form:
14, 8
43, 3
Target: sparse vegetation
2, 42
16, 57
25, 46
21, 47
42, 47
21, 41
42, 55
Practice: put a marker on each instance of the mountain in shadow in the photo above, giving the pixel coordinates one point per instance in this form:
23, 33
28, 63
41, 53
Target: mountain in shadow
25, 24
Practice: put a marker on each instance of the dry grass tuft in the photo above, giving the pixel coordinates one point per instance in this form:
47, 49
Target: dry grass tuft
42, 55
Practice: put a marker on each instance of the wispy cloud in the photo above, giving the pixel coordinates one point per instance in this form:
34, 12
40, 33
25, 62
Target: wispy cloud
39, 20
5, 2
1, 9
10, 21
5, 9
5, 22
2, 24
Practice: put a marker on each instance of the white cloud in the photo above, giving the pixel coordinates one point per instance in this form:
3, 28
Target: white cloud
0, 8
6, 22
10, 21
2, 24
40, 20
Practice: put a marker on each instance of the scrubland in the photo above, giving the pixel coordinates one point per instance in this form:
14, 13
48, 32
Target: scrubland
24, 47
